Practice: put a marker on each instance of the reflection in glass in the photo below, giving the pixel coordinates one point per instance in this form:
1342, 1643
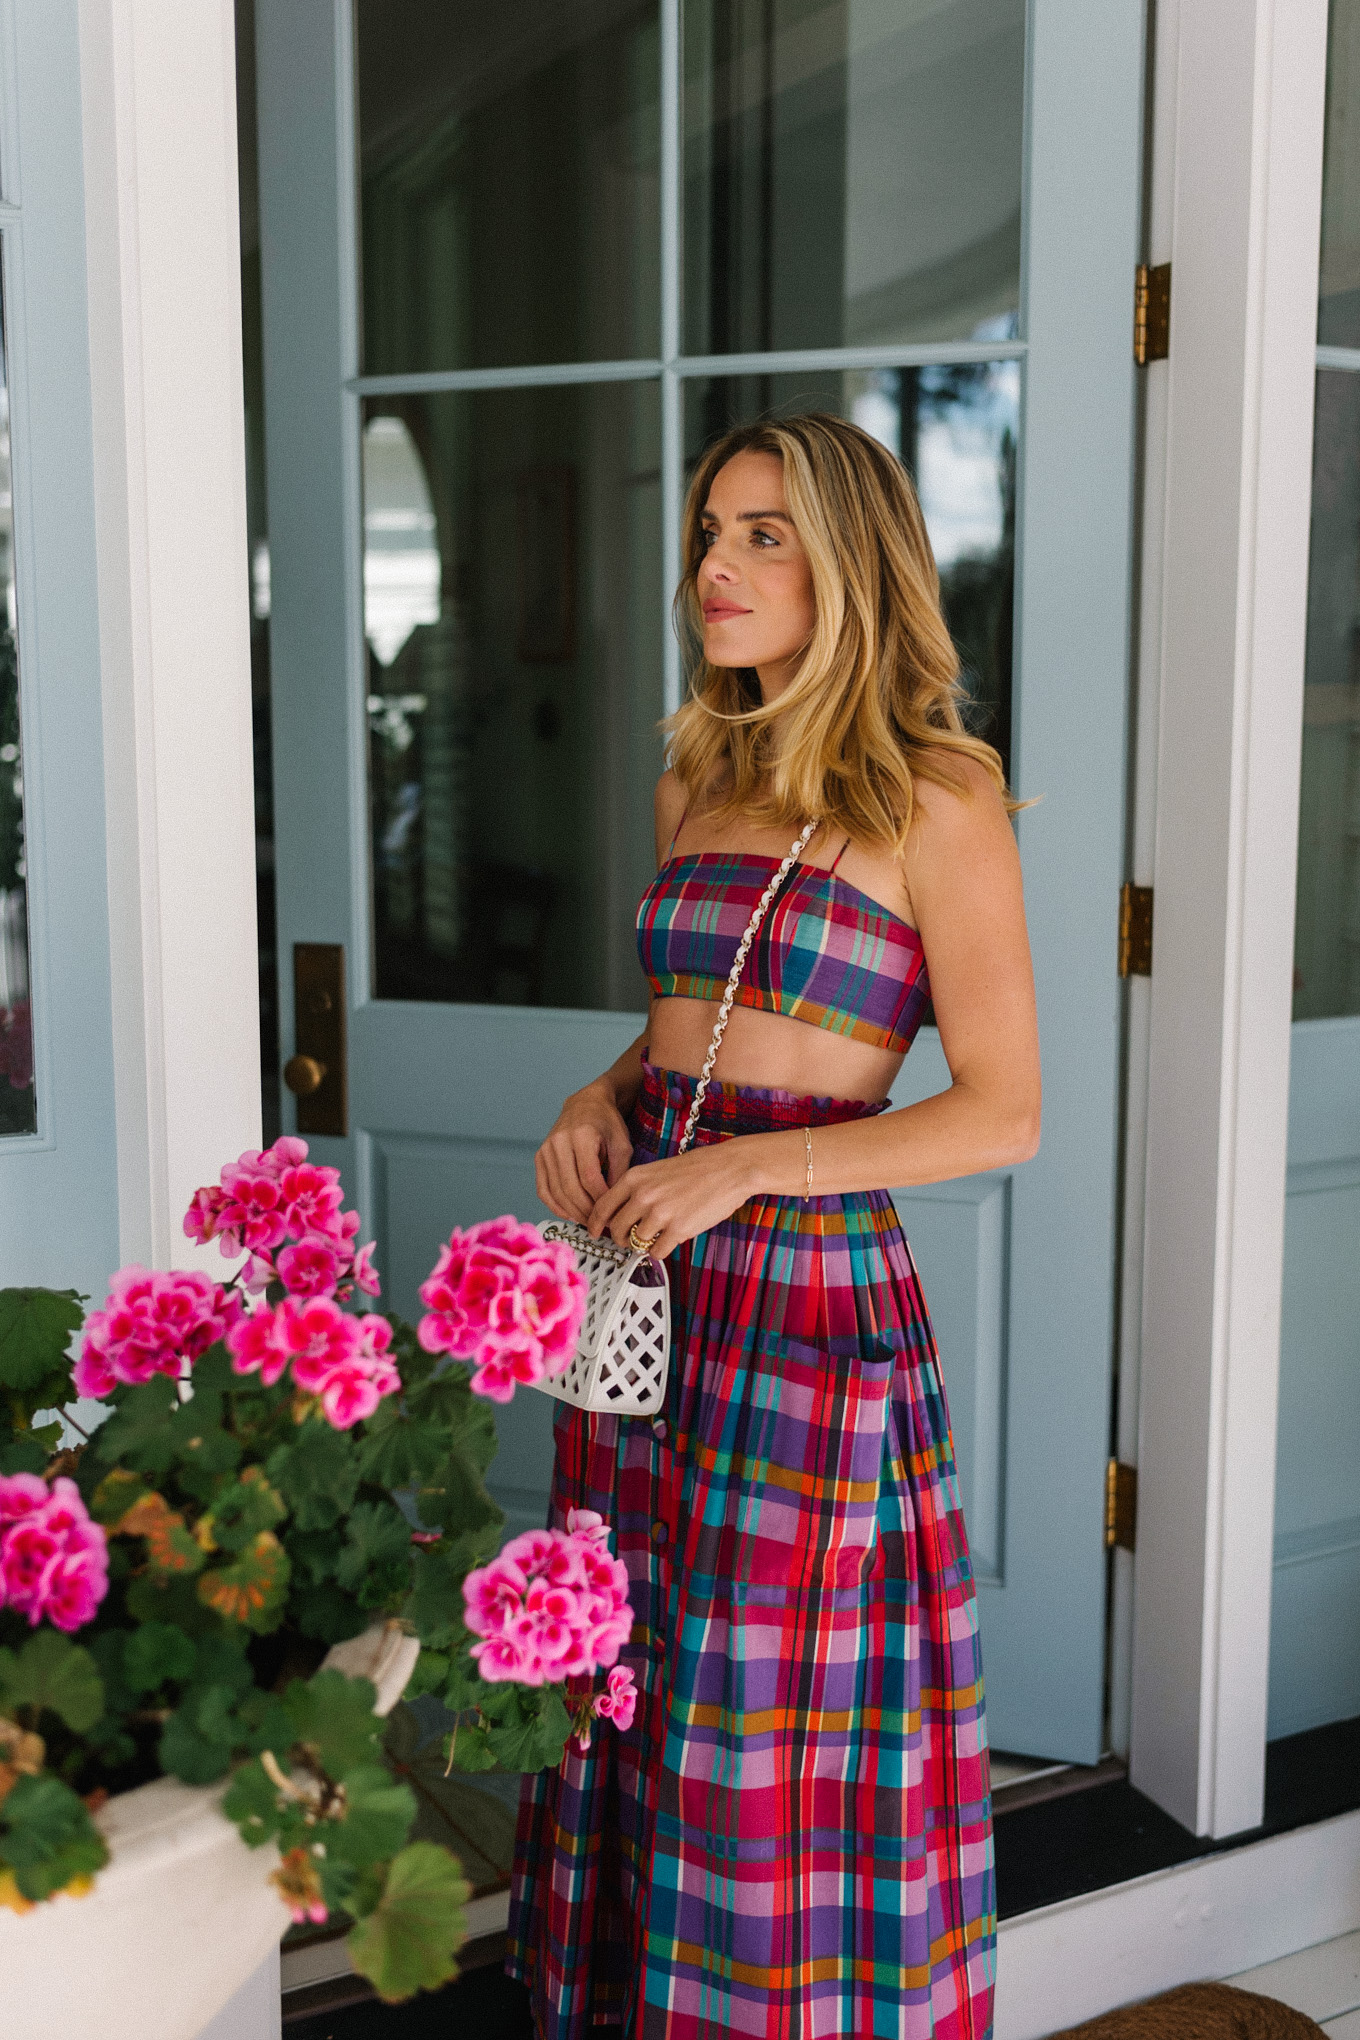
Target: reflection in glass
508, 174
852, 171
513, 694
1339, 279
1327, 924
18, 1102
957, 429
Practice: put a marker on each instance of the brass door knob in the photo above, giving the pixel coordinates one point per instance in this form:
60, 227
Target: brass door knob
303, 1074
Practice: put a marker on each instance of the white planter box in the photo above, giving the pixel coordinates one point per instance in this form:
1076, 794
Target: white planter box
179, 1918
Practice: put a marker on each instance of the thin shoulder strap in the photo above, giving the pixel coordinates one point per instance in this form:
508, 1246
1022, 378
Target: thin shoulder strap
839, 854
676, 837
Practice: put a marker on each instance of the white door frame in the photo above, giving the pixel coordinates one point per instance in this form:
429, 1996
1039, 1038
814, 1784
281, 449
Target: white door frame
1236, 209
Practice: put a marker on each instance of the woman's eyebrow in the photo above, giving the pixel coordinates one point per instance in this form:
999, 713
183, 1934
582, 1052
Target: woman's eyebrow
750, 516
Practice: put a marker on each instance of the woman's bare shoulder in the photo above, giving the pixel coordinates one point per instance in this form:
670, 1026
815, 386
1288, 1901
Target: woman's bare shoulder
968, 807
669, 806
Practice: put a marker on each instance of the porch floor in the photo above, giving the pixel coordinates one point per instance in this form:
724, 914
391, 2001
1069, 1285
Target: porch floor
1323, 1982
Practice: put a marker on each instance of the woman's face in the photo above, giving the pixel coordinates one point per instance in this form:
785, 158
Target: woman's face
754, 581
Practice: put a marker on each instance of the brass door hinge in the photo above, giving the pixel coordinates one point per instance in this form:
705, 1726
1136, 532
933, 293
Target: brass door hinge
1135, 931
1121, 1505
1151, 313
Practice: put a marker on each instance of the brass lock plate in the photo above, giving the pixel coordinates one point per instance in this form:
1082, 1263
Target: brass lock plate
319, 1039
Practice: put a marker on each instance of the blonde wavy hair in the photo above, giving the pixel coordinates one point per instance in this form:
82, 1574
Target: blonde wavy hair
876, 703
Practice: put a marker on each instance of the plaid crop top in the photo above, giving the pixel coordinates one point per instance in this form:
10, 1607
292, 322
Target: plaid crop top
825, 952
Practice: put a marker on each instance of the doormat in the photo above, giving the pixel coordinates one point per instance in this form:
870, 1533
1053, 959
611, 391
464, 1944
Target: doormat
1200, 2011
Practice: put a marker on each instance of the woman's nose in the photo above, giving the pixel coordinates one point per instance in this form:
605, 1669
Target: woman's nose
715, 566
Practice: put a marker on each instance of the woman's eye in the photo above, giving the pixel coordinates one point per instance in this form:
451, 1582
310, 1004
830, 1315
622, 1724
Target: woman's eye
706, 538
763, 538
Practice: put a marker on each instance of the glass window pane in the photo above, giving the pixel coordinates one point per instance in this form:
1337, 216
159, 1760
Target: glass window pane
1327, 926
18, 1101
1339, 281
513, 615
852, 171
508, 174
957, 428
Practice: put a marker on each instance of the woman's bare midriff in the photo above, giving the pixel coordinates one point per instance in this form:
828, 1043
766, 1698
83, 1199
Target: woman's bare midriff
768, 1050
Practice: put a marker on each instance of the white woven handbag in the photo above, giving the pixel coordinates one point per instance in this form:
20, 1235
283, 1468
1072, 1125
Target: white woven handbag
623, 1349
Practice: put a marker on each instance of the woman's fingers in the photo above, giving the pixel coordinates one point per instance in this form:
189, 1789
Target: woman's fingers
565, 1194
585, 1149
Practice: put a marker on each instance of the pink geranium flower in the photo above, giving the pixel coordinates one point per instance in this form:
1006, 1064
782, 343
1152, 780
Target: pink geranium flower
345, 1361
286, 1214
313, 1267
618, 1702
54, 1561
508, 1300
152, 1323
311, 1197
553, 1605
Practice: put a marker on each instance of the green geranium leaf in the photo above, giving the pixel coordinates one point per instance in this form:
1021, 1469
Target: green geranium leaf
314, 1553
185, 1752
431, 1674
376, 1561
398, 1452
434, 1607
139, 1429
265, 1723
35, 1330
251, 1590
327, 1613
242, 1510
251, 1801
408, 1941
531, 1731
221, 1661
155, 1653
468, 1748
334, 1716
317, 1474
23, 1453
377, 1819
47, 1836
159, 1597
52, 1674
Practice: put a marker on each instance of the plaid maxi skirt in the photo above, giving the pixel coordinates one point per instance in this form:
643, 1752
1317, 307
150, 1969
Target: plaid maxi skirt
793, 1841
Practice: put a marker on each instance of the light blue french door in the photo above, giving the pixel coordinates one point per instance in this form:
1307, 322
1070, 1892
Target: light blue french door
1315, 1616
518, 266
58, 1159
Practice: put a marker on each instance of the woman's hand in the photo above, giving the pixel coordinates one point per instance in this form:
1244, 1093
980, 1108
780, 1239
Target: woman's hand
672, 1200
587, 1150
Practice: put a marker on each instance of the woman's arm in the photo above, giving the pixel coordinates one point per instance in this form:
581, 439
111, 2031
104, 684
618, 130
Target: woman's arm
963, 872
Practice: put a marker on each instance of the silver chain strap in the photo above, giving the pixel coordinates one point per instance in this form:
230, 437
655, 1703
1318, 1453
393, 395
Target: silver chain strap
738, 963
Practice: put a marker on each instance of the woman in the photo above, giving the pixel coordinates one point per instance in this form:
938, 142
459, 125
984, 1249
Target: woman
795, 1836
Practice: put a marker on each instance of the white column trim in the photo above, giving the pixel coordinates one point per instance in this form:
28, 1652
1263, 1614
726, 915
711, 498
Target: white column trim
1244, 197
163, 264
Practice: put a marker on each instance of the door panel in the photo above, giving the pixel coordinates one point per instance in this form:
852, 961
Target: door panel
58, 1140
1315, 1606
471, 559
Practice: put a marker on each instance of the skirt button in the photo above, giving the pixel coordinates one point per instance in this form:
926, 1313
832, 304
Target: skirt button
658, 1532
659, 1429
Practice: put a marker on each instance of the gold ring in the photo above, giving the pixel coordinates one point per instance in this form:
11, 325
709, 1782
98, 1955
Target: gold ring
641, 1246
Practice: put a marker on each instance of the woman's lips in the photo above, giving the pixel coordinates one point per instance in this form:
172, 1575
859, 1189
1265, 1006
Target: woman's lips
718, 612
